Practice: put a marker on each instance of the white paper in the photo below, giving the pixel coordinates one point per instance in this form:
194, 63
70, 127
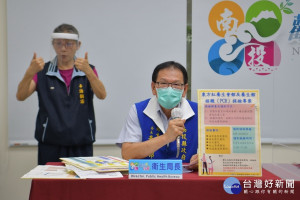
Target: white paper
93, 174
49, 171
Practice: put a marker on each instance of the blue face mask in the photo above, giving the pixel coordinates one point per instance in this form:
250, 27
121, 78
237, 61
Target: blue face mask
169, 97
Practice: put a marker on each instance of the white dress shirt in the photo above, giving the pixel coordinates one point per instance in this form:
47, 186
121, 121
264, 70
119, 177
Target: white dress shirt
132, 132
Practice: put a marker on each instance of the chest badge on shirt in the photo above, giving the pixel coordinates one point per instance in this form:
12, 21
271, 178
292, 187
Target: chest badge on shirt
81, 94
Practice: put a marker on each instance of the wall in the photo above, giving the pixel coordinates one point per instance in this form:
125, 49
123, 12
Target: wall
278, 108
14, 162
131, 37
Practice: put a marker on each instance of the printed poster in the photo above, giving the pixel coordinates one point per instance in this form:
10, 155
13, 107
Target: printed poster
229, 133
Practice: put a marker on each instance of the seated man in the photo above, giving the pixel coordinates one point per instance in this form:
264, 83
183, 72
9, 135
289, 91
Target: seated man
150, 132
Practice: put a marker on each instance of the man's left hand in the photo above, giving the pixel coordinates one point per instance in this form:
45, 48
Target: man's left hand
193, 163
83, 64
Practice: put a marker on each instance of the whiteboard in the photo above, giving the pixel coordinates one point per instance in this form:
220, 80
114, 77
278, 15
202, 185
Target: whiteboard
279, 91
125, 40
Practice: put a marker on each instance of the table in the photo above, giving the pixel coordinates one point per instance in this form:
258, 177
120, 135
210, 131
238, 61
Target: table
190, 187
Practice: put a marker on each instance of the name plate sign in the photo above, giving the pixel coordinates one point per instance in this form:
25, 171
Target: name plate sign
155, 169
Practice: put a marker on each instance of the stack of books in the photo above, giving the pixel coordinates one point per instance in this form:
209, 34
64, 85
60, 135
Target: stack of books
98, 164
81, 167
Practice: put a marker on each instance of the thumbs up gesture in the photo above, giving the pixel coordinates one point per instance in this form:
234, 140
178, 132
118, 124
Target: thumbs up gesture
36, 65
82, 63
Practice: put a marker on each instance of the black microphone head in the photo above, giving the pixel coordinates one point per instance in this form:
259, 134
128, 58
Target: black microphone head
176, 113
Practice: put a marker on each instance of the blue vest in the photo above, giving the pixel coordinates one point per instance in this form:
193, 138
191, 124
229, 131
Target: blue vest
65, 117
188, 142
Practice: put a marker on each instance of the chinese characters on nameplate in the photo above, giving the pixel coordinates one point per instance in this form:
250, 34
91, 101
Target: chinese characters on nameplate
229, 133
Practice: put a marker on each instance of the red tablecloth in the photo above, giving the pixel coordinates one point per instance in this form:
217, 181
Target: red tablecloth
190, 187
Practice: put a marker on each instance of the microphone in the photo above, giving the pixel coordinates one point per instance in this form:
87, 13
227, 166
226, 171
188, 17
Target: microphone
177, 113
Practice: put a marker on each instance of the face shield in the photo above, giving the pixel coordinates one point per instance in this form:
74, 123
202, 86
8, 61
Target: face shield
63, 36
67, 36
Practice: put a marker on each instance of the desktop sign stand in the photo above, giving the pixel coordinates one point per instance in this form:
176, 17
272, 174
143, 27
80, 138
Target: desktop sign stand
229, 133
285, 160
155, 169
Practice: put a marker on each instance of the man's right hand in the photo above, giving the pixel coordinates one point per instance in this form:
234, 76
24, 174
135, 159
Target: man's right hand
175, 128
27, 85
36, 65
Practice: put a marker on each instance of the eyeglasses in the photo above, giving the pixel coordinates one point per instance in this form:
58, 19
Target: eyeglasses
67, 45
178, 86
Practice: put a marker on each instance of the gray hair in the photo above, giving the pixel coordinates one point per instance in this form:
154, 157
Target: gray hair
66, 28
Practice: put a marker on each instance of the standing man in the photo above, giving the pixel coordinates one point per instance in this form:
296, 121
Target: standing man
65, 125
150, 132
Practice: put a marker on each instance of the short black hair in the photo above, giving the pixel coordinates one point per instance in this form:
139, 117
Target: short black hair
170, 64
